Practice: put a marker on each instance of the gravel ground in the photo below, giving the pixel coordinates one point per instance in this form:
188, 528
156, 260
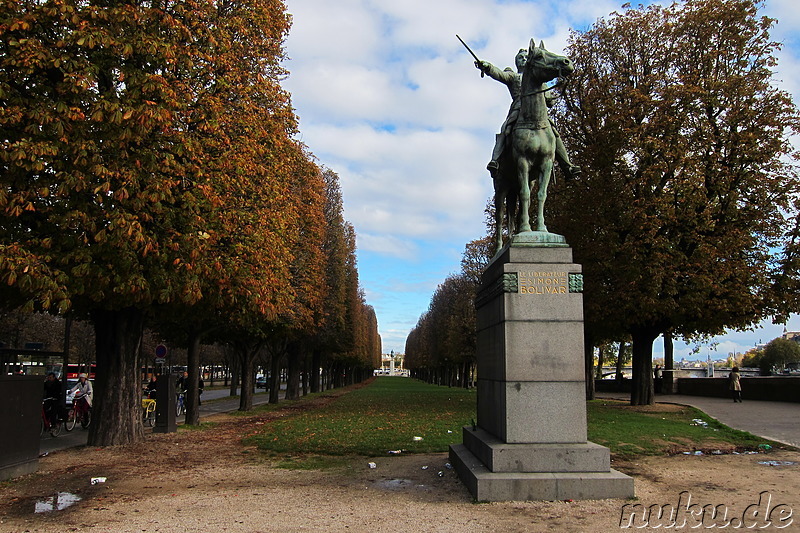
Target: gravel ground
210, 482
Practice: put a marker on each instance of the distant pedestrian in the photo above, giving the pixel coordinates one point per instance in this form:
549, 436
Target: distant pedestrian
735, 385
657, 379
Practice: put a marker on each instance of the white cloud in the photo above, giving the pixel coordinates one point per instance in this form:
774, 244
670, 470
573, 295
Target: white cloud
389, 99
387, 245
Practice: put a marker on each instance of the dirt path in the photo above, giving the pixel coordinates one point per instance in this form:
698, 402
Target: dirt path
183, 483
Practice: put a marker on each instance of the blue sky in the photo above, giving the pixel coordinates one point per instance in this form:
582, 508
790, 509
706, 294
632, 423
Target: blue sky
390, 100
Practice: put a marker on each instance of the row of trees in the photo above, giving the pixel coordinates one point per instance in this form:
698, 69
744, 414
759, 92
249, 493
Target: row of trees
685, 217
150, 175
441, 348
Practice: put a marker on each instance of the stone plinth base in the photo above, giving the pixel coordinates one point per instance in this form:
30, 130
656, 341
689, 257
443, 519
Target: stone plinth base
486, 485
529, 442
499, 456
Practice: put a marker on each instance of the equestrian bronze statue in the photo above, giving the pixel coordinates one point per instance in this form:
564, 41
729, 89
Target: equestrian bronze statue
528, 143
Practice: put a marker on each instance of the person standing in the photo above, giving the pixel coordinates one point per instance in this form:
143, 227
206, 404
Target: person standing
735, 385
657, 378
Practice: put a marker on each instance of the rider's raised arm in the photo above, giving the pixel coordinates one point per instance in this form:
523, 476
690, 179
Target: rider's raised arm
504, 76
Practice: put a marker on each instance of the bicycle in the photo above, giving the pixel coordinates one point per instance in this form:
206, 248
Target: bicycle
50, 421
180, 405
149, 411
80, 411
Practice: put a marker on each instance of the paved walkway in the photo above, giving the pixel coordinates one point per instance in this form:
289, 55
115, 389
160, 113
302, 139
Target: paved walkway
222, 404
778, 421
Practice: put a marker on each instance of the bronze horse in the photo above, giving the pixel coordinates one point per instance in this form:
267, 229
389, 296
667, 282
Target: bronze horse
531, 149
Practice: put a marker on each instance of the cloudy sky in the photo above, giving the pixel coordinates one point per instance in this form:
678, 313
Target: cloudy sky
390, 100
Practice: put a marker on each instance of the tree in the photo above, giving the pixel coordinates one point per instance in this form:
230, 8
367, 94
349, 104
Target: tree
333, 335
752, 358
777, 353
686, 188
442, 347
155, 142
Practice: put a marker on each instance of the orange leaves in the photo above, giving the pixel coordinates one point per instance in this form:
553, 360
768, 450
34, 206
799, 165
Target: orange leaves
169, 155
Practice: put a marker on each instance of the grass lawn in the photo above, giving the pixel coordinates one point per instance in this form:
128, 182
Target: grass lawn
630, 431
385, 416
404, 414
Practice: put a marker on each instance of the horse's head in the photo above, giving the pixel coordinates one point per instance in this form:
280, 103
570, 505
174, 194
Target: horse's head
543, 65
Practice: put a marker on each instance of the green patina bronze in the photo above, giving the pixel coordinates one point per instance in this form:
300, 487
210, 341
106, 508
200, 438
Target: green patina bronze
527, 146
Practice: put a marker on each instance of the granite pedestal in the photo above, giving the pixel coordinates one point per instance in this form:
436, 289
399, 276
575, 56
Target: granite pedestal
530, 440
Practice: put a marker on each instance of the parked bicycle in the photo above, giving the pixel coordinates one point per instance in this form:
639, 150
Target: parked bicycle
80, 411
149, 411
180, 404
50, 419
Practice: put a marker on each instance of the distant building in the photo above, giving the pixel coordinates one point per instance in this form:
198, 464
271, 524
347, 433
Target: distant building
392, 365
791, 335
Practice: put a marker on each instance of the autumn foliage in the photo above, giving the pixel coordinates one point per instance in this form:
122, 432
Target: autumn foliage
149, 162
441, 348
689, 181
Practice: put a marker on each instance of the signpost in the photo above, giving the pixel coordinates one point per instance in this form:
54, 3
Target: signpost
161, 354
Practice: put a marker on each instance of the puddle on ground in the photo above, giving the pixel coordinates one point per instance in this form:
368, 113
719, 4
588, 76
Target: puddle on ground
401, 484
59, 502
394, 484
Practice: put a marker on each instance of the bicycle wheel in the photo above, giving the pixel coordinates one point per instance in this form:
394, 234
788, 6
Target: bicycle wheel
69, 425
87, 419
55, 428
179, 407
151, 416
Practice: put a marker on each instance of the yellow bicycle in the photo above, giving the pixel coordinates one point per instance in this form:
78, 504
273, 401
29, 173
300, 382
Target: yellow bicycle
149, 411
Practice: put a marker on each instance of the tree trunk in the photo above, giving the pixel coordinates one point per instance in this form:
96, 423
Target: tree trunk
192, 398
294, 363
620, 364
117, 405
601, 360
667, 375
304, 375
62, 402
314, 374
642, 392
274, 378
247, 360
588, 361
235, 374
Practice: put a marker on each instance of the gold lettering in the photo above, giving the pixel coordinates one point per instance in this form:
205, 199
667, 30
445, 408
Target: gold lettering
534, 282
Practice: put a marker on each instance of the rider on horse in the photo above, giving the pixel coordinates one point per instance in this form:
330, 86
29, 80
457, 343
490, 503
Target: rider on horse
513, 80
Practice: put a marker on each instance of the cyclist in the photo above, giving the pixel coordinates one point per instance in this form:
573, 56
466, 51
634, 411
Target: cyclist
83, 397
52, 398
152, 385
183, 384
